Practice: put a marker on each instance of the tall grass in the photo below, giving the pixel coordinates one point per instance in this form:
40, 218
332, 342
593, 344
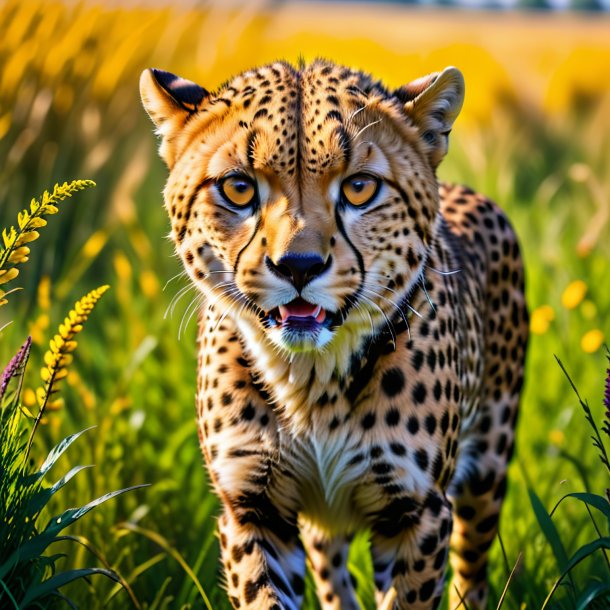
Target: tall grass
533, 137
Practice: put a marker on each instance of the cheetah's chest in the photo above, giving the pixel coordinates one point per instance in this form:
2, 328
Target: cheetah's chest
328, 470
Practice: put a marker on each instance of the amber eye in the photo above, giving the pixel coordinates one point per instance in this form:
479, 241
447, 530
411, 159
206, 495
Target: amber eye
360, 189
238, 190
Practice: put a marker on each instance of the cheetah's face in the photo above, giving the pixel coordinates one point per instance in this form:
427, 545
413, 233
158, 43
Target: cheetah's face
303, 199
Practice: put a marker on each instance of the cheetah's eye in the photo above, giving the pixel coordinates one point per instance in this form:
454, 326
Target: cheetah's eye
360, 189
238, 190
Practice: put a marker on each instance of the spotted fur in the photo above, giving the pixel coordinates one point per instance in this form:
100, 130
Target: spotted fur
397, 411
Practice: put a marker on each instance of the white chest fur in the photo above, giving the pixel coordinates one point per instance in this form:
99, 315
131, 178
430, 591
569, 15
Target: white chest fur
328, 469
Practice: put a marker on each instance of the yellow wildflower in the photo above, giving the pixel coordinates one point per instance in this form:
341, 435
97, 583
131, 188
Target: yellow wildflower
149, 284
573, 294
592, 341
588, 309
122, 267
556, 436
59, 356
13, 250
541, 318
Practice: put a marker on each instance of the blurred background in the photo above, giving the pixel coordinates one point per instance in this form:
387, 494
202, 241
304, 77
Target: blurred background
534, 135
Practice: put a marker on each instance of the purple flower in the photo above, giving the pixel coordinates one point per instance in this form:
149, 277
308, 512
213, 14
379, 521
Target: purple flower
15, 366
606, 426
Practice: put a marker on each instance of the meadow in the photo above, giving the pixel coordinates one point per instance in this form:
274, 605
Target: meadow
534, 135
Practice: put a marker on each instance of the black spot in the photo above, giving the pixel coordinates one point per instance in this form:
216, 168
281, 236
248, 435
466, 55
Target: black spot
430, 424
392, 417
298, 584
393, 382
445, 422
382, 468
368, 421
248, 412
428, 544
434, 503
427, 589
438, 390
487, 524
431, 360
226, 399
418, 566
399, 568
421, 457
466, 512
480, 486
419, 393
397, 449
417, 359
413, 425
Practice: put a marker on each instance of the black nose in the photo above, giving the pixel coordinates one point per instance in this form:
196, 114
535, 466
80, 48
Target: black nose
299, 268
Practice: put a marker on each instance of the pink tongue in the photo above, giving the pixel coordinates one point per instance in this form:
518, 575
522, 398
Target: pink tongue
299, 308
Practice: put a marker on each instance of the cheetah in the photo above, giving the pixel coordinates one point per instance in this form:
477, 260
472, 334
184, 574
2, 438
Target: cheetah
363, 332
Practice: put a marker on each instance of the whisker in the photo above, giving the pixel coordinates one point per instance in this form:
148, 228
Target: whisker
365, 128
387, 320
171, 279
443, 272
423, 283
351, 117
404, 300
188, 314
175, 299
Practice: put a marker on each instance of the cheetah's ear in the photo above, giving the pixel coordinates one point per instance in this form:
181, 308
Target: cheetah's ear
169, 100
433, 103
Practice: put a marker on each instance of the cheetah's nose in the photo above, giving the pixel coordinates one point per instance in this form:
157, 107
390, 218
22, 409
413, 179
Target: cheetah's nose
299, 267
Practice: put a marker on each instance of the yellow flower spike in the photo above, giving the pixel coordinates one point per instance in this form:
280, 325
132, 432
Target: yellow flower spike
58, 357
14, 250
573, 294
592, 341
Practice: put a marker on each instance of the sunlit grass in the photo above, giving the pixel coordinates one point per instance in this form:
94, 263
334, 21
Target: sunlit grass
533, 136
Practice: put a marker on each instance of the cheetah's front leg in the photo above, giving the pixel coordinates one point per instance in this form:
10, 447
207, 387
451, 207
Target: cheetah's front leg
410, 553
263, 558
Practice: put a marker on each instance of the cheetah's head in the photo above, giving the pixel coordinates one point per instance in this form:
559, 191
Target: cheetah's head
304, 199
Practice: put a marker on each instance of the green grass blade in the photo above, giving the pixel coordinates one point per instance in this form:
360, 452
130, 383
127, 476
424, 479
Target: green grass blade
582, 553
10, 596
58, 450
164, 544
590, 499
549, 530
508, 581
49, 586
38, 544
594, 591
70, 516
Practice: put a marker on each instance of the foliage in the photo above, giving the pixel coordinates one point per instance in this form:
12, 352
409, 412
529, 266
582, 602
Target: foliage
29, 576
588, 594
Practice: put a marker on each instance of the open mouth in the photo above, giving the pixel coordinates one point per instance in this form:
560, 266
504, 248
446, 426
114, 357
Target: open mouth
299, 314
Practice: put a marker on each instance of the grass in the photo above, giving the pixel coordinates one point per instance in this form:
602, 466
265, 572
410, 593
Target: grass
533, 137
